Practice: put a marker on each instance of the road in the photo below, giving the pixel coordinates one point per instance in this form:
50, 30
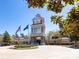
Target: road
43, 52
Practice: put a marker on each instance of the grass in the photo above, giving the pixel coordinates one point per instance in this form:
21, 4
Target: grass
24, 47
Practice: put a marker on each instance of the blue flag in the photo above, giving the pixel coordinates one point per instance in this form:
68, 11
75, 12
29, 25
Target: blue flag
26, 27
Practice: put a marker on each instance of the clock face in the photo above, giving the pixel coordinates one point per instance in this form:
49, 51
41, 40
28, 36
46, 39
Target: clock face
37, 21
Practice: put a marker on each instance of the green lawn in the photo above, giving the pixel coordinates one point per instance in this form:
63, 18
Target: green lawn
23, 46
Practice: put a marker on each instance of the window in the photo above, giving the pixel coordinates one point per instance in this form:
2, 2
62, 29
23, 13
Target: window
37, 29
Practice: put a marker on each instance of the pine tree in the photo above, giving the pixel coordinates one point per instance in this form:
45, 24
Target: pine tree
6, 38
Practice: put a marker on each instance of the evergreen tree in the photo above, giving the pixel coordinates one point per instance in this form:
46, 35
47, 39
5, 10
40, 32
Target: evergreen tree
6, 38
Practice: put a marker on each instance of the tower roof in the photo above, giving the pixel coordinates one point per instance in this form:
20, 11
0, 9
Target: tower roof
38, 17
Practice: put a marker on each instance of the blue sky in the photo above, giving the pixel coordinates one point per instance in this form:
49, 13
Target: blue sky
14, 13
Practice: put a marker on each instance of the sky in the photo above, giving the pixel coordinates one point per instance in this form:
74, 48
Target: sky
14, 13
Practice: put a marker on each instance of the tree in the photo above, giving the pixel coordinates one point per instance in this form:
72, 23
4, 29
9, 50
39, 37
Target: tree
53, 33
71, 25
52, 5
1, 37
50, 33
57, 20
6, 38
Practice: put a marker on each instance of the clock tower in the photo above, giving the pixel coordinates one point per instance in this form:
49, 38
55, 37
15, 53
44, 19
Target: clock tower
38, 30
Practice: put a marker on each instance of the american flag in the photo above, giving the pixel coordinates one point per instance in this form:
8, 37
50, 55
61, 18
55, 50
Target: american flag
19, 29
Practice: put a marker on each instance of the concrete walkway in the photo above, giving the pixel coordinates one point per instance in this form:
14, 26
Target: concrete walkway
43, 52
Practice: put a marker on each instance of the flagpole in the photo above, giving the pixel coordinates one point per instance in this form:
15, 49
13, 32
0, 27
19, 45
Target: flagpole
28, 34
18, 30
27, 27
20, 36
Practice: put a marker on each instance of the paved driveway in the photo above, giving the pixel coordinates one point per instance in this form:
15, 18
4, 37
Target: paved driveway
43, 52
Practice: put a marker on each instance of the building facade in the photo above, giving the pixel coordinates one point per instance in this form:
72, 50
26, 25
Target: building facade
37, 30
22, 39
59, 40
